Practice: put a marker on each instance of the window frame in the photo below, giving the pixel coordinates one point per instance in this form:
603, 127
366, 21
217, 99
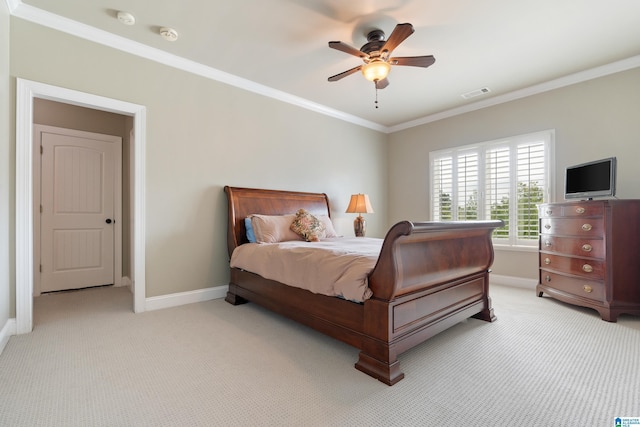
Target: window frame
547, 137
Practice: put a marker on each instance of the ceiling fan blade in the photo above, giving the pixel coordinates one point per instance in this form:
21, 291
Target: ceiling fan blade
347, 49
381, 84
344, 74
413, 61
399, 34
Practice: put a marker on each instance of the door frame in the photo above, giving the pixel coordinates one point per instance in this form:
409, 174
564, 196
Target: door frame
26, 91
38, 129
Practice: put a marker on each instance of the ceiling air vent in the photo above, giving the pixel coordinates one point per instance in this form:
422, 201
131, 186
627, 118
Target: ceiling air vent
476, 92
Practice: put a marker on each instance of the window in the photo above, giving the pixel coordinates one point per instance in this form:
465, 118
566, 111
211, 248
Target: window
504, 179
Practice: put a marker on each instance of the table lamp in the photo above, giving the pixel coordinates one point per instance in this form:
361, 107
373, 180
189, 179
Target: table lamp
359, 204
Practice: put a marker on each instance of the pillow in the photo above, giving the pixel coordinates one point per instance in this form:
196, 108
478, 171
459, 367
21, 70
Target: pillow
329, 231
308, 226
250, 234
273, 228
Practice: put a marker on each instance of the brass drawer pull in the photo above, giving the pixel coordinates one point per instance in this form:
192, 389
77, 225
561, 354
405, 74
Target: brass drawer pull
579, 210
587, 247
547, 226
547, 261
586, 227
547, 243
588, 289
548, 212
587, 268
547, 278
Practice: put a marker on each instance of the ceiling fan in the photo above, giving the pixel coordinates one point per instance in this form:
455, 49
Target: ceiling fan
376, 55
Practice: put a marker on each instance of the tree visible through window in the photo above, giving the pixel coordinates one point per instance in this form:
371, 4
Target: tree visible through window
503, 179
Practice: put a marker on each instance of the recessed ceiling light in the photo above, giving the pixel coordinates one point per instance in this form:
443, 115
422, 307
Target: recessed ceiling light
126, 18
169, 34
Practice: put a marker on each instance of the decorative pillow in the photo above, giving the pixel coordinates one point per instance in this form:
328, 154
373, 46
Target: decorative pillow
329, 231
273, 228
308, 226
250, 234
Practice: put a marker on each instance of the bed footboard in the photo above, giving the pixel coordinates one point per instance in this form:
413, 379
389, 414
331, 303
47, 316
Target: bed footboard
429, 277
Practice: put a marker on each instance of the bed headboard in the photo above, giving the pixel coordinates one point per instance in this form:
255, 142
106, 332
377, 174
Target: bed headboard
246, 201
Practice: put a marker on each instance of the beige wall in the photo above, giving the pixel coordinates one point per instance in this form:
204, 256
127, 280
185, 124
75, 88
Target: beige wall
202, 135
6, 168
593, 120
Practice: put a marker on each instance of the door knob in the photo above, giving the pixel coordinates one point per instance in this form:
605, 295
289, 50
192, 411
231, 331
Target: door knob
108, 221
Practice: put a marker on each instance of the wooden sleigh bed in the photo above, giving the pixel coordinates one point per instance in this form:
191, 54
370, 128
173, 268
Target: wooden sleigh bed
429, 276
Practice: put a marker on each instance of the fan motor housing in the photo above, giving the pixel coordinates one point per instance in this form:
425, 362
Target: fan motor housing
375, 41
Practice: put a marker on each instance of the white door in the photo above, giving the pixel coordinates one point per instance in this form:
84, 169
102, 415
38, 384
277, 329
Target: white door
77, 197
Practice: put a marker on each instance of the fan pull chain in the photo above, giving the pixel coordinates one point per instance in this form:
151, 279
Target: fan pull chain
376, 103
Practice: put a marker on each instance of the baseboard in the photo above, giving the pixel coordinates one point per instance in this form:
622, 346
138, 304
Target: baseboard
200, 295
7, 330
516, 282
182, 298
125, 282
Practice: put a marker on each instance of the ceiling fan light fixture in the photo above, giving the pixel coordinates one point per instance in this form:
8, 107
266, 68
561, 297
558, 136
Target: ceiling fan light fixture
376, 70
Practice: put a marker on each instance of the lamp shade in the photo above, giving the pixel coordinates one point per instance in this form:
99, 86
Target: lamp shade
376, 70
359, 203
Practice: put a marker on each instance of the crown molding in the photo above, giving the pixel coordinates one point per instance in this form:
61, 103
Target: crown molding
12, 5
78, 29
41, 17
582, 76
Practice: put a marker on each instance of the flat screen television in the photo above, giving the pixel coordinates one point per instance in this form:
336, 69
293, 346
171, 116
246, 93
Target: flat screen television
592, 179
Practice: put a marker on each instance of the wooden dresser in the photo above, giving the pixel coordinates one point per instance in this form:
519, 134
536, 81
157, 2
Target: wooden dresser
590, 255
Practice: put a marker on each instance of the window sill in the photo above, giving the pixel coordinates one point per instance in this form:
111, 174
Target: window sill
515, 248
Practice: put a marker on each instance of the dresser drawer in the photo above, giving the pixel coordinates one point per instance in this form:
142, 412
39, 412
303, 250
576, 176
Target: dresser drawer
593, 248
583, 227
572, 210
591, 289
588, 268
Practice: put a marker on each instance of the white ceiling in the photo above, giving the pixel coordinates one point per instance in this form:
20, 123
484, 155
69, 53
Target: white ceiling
279, 47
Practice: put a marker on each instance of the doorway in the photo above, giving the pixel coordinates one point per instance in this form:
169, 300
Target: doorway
77, 186
26, 92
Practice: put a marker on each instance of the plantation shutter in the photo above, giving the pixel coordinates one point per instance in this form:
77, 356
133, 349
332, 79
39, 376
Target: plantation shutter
498, 188
442, 188
531, 182
504, 179
467, 188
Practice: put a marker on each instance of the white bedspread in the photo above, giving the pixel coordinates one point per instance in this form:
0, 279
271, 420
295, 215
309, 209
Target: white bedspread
334, 267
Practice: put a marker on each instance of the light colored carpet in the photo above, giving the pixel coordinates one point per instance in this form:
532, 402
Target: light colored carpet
91, 361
